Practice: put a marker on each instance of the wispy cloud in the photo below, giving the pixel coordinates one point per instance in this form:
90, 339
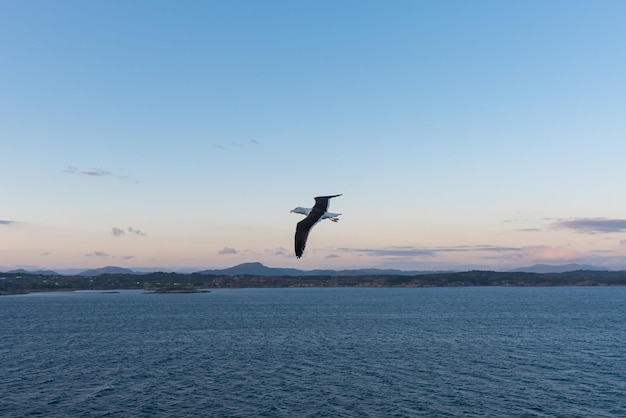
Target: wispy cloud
392, 251
408, 251
103, 254
472, 248
281, 251
137, 232
538, 254
4, 222
119, 232
227, 250
97, 254
95, 172
593, 225
553, 254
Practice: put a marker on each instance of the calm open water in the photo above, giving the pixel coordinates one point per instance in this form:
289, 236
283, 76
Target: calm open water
440, 352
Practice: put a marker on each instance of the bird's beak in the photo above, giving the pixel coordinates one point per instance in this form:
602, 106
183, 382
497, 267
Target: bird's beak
291, 211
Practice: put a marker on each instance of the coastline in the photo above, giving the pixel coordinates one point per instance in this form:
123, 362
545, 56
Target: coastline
195, 283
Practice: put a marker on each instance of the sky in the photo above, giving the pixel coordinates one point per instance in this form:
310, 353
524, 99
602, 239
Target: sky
179, 134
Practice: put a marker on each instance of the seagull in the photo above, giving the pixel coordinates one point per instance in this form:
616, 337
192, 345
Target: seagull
313, 216
327, 215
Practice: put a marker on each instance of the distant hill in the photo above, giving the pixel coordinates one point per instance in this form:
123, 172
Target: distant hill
106, 270
546, 268
255, 269
39, 272
258, 269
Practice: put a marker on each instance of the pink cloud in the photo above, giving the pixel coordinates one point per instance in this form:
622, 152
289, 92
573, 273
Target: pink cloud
546, 253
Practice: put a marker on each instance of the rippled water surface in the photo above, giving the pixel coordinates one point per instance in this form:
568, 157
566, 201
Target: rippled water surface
517, 352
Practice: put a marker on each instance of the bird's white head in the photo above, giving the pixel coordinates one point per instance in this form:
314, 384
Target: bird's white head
300, 210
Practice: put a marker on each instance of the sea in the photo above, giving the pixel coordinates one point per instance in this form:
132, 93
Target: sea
316, 352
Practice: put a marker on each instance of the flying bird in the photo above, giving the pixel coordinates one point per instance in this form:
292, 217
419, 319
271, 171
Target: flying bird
313, 216
327, 215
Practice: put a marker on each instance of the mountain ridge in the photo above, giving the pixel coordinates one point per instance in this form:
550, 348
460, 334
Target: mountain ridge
107, 270
39, 272
259, 269
551, 268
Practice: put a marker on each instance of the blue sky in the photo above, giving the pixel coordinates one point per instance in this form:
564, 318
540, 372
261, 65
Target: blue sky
462, 134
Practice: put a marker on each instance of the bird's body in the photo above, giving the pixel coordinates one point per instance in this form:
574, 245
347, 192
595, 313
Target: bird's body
327, 215
314, 215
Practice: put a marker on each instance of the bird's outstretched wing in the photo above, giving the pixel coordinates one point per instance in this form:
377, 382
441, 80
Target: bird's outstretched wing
304, 226
321, 202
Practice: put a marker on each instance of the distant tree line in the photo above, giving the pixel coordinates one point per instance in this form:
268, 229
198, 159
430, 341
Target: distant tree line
11, 283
